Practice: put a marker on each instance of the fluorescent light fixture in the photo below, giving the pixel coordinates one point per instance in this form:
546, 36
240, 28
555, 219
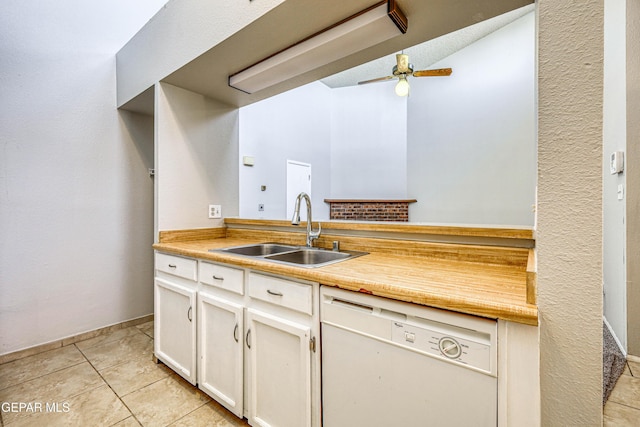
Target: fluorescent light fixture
378, 23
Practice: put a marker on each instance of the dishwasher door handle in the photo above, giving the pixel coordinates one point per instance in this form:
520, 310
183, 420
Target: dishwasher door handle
351, 305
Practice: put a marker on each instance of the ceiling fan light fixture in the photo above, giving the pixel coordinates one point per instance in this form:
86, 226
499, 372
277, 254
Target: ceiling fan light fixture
402, 87
402, 66
375, 24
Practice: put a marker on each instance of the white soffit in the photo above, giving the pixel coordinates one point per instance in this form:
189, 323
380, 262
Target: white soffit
422, 56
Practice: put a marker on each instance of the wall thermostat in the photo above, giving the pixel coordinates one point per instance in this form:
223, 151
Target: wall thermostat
617, 162
248, 160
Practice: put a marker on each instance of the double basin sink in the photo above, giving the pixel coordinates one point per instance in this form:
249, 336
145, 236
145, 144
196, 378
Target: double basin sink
300, 256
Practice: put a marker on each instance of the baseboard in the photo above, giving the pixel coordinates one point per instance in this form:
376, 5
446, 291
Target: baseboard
10, 357
615, 338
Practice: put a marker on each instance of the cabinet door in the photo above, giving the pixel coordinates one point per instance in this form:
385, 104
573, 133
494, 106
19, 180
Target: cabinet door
280, 382
175, 327
220, 349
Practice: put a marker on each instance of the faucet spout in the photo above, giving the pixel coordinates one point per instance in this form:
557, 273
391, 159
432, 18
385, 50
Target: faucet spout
311, 234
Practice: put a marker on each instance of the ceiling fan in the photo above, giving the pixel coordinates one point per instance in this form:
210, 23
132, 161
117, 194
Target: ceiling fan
404, 69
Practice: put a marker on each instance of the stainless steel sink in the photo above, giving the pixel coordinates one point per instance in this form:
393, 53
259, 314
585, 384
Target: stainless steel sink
300, 256
260, 249
311, 256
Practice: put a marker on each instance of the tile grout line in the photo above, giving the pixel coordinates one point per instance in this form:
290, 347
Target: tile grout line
73, 339
624, 404
74, 344
109, 341
50, 373
104, 381
44, 375
120, 398
187, 414
109, 385
148, 385
67, 398
84, 359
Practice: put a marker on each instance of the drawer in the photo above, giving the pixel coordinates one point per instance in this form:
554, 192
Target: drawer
178, 266
223, 277
285, 293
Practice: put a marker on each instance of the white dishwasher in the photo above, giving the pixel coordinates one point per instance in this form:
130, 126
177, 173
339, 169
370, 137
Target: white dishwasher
388, 363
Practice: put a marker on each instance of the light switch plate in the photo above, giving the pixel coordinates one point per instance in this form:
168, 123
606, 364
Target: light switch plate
215, 211
616, 162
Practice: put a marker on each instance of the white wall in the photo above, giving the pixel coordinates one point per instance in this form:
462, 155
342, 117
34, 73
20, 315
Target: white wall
196, 159
368, 142
76, 200
182, 30
464, 146
471, 136
292, 126
569, 215
614, 139
632, 173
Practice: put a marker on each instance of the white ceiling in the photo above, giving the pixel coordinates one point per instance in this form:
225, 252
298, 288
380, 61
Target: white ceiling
282, 26
424, 55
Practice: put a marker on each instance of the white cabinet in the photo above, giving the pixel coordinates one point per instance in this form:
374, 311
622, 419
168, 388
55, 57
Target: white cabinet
284, 363
220, 339
255, 351
175, 313
280, 361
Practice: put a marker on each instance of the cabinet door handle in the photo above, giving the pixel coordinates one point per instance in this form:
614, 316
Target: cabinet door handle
172, 266
246, 339
235, 333
276, 293
218, 277
189, 314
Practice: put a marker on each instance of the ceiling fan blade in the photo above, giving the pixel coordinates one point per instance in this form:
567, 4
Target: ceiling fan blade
379, 79
433, 73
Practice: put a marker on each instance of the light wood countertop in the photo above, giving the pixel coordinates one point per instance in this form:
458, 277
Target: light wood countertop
490, 289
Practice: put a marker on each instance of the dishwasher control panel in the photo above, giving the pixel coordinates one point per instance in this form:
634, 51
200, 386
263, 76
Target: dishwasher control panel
454, 338
466, 347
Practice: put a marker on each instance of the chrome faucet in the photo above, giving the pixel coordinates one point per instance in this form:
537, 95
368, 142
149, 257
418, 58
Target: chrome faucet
311, 235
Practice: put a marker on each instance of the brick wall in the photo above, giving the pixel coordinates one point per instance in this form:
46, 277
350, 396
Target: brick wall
369, 210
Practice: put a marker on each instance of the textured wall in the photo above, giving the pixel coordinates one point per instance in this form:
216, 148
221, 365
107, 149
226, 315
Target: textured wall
76, 199
633, 176
196, 159
569, 221
614, 139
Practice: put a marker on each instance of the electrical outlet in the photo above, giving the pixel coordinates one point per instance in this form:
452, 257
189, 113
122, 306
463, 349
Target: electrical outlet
215, 211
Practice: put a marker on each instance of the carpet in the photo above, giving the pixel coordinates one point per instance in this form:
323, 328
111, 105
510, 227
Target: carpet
613, 363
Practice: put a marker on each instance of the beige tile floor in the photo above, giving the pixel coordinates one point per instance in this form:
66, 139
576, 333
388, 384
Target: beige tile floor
108, 380
623, 407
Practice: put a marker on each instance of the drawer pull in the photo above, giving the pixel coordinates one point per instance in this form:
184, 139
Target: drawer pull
172, 266
235, 333
218, 277
275, 293
247, 338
